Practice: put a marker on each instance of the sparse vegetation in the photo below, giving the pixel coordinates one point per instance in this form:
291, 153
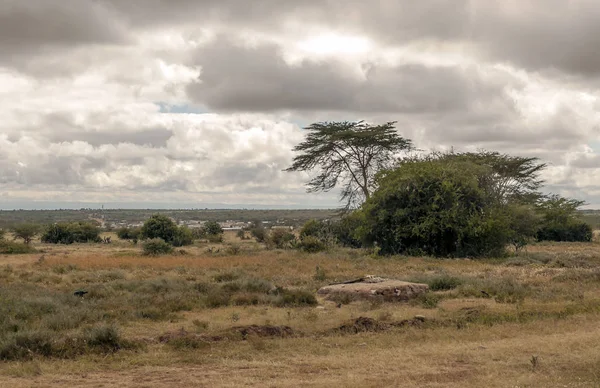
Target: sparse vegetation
157, 246
259, 303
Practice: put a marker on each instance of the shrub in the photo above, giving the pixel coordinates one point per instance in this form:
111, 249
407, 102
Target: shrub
312, 228
571, 231
560, 222
258, 231
213, 228
157, 246
129, 233
103, 338
312, 244
443, 283
199, 233
241, 235
26, 232
69, 233
159, 226
434, 208
346, 230
13, 248
214, 238
294, 298
280, 238
183, 236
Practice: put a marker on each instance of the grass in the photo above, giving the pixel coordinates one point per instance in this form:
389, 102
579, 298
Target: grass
174, 319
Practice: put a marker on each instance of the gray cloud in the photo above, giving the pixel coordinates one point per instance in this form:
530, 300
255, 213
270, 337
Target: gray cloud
37, 24
537, 34
235, 78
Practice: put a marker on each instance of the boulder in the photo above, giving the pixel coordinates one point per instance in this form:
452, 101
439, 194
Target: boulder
373, 287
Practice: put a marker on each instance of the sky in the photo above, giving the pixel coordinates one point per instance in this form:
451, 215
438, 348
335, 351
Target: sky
198, 103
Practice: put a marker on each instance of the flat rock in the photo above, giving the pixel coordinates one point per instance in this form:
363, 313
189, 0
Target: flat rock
386, 289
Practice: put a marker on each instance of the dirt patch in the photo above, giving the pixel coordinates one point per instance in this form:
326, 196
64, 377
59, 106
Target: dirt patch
264, 331
370, 325
363, 325
235, 333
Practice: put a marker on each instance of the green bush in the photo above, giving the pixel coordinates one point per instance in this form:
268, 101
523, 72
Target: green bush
259, 233
183, 236
69, 233
212, 228
157, 246
571, 231
129, 233
280, 238
560, 220
312, 228
214, 238
312, 244
26, 232
434, 208
295, 298
346, 230
443, 283
13, 248
159, 226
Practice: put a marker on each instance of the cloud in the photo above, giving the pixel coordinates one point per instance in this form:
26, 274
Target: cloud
85, 85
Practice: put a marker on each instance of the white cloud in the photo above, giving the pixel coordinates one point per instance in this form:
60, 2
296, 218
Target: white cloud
80, 113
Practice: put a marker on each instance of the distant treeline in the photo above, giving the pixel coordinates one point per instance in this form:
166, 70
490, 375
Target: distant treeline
295, 217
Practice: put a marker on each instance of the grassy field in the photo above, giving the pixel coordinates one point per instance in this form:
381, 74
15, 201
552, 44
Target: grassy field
234, 314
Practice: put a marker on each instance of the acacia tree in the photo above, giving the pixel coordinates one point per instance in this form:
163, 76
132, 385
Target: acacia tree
26, 232
350, 154
509, 178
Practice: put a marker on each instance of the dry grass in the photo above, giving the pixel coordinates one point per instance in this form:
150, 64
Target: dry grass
536, 327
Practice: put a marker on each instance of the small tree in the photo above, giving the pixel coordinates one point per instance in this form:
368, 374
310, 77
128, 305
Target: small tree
280, 238
183, 237
159, 226
26, 232
258, 231
524, 223
560, 220
157, 246
348, 153
129, 233
213, 228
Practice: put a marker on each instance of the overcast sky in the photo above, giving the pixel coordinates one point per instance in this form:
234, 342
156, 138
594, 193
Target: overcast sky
168, 103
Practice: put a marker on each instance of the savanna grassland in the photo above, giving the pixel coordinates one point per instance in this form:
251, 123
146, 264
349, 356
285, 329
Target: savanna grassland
235, 314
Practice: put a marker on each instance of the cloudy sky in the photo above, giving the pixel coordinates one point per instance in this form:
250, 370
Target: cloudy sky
176, 103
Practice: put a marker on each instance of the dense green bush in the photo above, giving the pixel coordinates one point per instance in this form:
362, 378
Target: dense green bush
312, 244
345, 231
571, 231
157, 246
212, 228
129, 233
560, 220
69, 233
159, 226
434, 208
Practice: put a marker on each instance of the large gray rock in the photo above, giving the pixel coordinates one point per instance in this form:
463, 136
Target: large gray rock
372, 287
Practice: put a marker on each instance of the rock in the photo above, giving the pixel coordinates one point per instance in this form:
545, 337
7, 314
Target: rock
374, 288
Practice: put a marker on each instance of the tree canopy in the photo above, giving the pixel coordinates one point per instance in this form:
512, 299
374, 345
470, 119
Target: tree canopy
348, 154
